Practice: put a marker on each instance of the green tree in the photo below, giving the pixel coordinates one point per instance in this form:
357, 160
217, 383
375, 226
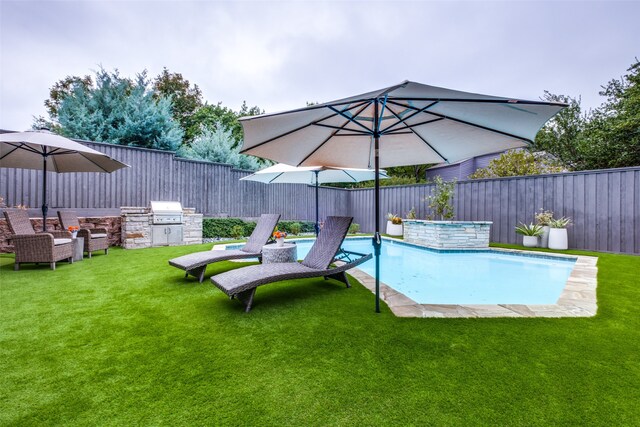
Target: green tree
212, 115
186, 100
518, 163
120, 111
216, 144
60, 90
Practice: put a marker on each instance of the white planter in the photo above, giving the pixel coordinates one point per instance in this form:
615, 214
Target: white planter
544, 238
394, 229
279, 241
558, 239
530, 241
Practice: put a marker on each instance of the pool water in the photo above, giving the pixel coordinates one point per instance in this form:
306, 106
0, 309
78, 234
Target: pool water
463, 277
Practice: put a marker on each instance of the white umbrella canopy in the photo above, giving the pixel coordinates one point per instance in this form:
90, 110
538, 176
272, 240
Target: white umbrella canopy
312, 175
406, 124
43, 150
286, 174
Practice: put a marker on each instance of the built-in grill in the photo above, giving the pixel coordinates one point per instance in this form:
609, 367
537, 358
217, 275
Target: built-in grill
166, 212
166, 219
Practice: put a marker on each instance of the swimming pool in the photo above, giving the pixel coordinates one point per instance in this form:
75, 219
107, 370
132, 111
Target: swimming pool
430, 276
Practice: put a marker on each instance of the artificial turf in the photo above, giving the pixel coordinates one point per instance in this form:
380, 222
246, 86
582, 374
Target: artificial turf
124, 339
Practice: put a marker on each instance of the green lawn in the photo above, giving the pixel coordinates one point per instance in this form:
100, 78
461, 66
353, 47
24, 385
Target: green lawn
123, 339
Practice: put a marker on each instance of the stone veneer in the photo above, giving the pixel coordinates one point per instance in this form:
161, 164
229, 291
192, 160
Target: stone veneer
447, 234
111, 223
137, 221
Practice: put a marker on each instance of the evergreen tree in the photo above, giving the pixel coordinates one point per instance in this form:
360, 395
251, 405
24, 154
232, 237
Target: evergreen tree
119, 111
216, 144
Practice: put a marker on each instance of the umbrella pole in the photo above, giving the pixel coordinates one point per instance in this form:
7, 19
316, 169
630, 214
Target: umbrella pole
377, 243
45, 208
317, 225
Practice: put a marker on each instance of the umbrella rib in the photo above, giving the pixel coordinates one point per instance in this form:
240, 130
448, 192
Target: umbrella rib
423, 140
350, 176
96, 164
14, 149
528, 141
275, 177
403, 121
358, 132
350, 119
23, 146
426, 122
331, 136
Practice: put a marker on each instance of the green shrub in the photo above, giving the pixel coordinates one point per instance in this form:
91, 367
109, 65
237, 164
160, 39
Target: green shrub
295, 227
226, 227
354, 228
305, 227
237, 231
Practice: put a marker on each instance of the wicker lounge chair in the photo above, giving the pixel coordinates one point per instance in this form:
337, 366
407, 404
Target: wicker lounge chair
49, 247
95, 239
242, 282
196, 263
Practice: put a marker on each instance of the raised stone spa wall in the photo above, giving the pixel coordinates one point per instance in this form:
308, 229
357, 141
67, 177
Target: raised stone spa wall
137, 222
448, 234
111, 223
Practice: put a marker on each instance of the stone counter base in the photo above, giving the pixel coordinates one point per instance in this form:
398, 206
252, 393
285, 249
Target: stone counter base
448, 234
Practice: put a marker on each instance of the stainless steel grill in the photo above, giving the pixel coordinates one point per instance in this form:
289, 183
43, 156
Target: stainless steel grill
166, 212
167, 220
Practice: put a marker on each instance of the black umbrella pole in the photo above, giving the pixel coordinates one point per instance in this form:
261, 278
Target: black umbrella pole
376, 237
45, 208
317, 225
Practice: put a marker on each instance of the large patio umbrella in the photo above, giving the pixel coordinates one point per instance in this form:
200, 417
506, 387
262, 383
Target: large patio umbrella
43, 150
406, 124
312, 175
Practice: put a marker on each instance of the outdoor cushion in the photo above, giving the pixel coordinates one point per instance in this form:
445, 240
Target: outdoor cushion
61, 241
98, 236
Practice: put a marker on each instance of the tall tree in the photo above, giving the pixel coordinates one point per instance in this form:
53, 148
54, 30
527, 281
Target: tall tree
186, 99
216, 144
121, 111
212, 115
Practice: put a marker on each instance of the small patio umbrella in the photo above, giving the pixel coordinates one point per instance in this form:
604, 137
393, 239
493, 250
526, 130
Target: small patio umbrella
312, 175
43, 150
406, 124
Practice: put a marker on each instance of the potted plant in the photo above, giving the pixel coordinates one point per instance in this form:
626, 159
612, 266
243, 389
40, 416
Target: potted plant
543, 218
394, 225
558, 238
279, 236
530, 234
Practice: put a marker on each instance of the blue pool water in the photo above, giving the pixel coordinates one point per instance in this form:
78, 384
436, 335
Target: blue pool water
472, 277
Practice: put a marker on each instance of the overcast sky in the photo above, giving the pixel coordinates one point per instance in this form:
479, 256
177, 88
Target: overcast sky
279, 55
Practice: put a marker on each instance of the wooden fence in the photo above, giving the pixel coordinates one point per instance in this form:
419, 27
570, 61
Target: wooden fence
604, 205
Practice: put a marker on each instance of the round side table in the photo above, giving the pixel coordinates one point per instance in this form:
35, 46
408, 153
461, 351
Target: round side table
272, 254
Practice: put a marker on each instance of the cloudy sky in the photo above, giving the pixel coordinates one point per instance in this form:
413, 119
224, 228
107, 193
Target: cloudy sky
279, 55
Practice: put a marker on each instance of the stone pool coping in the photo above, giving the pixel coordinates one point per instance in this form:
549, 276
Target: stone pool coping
578, 298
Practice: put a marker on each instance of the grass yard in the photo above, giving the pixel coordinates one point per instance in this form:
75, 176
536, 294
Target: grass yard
124, 339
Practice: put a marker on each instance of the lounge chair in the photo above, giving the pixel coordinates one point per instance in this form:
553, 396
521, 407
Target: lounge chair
243, 282
49, 247
95, 239
195, 264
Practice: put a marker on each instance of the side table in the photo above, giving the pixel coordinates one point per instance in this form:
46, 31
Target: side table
272, 254
78, 248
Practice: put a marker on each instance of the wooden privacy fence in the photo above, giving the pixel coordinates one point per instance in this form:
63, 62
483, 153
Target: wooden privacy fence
604, 205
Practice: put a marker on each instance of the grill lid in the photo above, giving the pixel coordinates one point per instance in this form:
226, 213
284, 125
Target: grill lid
158, 207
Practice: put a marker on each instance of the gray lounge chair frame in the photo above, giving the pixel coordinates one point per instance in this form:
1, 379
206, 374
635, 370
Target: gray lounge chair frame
195, 264
242, 283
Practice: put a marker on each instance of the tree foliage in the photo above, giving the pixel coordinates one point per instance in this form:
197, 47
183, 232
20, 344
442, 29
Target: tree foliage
518, 163
606, 137
186, 100
211, 116
120, 111
440, 201
216, 144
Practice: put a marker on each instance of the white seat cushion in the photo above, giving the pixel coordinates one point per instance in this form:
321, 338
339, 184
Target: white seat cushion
61, 241
98, 236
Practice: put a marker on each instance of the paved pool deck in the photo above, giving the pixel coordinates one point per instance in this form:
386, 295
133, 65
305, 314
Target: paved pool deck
578, 299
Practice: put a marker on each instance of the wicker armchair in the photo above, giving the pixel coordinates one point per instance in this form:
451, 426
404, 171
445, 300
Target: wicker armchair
95, 239
49, 247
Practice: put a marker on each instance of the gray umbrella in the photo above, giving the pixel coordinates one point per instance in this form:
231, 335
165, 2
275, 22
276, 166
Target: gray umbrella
401, 125
43, 150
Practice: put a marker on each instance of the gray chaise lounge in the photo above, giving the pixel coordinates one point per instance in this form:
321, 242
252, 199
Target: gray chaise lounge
196, 263
242, 282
